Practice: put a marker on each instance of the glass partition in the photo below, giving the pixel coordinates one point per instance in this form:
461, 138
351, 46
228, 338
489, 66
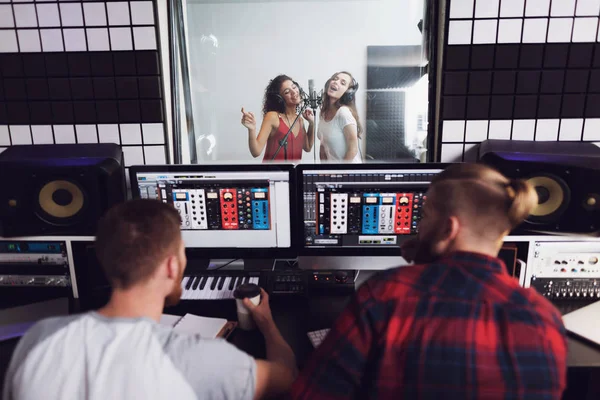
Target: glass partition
260, 56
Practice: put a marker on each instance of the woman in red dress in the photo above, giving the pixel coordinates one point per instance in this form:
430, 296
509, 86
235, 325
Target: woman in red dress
280, 108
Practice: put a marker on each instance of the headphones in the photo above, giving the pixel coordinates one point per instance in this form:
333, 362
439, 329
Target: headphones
276, 98
348, 97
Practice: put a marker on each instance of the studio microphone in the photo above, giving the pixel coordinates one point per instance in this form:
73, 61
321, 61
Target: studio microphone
314, 100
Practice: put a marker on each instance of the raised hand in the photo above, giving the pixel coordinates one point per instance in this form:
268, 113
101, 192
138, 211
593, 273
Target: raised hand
309, 115
248, 120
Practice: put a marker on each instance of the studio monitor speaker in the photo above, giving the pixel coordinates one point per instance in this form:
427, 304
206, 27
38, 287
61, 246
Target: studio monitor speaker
58, 189
566, 176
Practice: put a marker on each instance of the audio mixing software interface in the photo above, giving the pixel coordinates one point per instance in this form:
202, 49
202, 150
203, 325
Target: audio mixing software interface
226, 208
362, 207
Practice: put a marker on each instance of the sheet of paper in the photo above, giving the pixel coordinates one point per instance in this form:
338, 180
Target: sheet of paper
204, 326
169, 320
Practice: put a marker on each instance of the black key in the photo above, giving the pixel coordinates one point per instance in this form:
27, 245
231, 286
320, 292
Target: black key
232, 283
196, 283
238, 281
204, 279
221, 282
189, 283
246, 280
213, 285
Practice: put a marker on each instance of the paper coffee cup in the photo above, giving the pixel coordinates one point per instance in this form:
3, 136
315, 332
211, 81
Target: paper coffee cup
246, 291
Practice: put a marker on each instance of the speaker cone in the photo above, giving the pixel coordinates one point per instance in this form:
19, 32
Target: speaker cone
553, 198
60, 201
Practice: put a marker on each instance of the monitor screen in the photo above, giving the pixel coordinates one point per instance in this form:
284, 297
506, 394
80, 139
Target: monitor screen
224, 208
351, 208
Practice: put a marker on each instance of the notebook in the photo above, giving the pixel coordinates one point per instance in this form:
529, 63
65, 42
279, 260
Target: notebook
194, 324
585, 322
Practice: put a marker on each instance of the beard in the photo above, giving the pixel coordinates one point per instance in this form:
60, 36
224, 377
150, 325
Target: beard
427, 250
174, 297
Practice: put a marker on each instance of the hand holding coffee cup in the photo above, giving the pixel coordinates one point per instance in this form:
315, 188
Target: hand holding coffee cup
250, 308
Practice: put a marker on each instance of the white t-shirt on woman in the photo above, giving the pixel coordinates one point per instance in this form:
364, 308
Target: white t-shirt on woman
331, 135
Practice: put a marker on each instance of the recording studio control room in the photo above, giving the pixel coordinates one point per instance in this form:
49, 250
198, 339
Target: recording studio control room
304, 199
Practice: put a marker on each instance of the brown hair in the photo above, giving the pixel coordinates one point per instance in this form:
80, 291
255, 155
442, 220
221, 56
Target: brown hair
133, 238
490, 202
345, 100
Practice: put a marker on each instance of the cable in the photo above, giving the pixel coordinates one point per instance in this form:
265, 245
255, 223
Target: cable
356, 277
224, 265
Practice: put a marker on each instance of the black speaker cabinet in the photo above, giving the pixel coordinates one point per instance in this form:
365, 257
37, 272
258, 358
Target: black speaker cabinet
566, 176
58, 189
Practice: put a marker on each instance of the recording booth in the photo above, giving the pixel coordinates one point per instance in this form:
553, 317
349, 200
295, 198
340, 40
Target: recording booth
308, 234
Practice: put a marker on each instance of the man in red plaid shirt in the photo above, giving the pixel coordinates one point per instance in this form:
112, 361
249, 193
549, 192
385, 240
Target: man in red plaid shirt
456, 325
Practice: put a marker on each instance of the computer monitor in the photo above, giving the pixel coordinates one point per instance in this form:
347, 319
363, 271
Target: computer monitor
227, 211
349, 208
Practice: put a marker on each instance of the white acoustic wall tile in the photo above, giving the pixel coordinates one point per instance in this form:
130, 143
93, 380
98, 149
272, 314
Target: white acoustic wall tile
142, 13
133, 155
131, 134
571, 129
4, 135
25, 16
487, 9
155, 134
109, 133
459, 32
485, 31
8, 41
476, 131
118, 13
86, 134
584, 29
588, 7
559, 30
512, 8
95, 14
452, 152
500, 129
591, 129
71, 14
29, 40
509, 30
534, 30
537, 8
52, 40
48, 15
20, 134
461, 8
155, 154
470, 152
120, 39
523, 129
64, 134
75, 40
453, 131
6, 16
562, 8
144, 38
98, 39
42, 134
546, 130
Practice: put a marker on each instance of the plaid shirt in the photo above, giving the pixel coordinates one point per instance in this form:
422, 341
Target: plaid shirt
459, 328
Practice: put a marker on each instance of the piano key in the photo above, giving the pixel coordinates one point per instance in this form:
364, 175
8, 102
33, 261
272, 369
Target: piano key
189, 283
196, 282
213, 285
232, 283
238, 282
184, 293
254, 280
205, 293
225, 292
204, 280
221, 282
246, 279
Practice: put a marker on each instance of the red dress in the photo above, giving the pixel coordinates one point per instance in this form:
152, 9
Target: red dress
294, 143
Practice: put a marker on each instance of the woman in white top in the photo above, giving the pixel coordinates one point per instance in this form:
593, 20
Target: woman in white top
339, 127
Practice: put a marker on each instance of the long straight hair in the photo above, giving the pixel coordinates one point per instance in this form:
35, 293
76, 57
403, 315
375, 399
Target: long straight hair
348, 101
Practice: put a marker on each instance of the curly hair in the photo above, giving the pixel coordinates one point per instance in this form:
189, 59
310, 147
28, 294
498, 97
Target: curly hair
270, 102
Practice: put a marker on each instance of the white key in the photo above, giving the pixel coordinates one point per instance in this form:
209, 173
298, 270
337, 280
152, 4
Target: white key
254, 280
205, 293
215, 292
196, 293
184, 282
226, 292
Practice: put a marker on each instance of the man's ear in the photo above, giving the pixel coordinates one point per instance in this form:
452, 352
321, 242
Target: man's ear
452, 228
447, 232
172, 267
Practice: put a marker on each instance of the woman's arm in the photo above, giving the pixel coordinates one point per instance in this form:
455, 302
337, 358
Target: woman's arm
351, 136
256, 143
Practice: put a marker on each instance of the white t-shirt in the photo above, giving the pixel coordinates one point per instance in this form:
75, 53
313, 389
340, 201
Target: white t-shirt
331, 135
90, 356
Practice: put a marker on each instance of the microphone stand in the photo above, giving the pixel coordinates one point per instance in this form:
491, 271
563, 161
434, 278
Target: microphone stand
283, 142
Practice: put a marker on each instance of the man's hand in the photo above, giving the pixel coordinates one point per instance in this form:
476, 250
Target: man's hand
262, 312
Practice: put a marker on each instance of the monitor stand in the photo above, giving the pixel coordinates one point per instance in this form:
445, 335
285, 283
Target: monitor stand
246, 264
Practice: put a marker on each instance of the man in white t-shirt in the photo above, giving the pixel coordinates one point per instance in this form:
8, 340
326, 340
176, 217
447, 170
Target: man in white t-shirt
121, 352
